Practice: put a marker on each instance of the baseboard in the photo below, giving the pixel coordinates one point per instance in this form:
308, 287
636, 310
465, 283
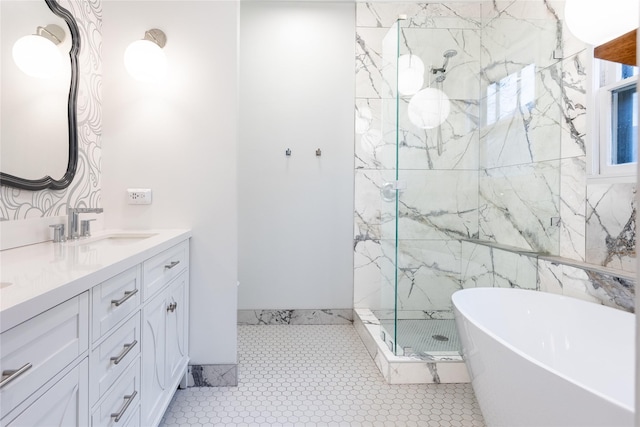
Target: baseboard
212, 375
296, 317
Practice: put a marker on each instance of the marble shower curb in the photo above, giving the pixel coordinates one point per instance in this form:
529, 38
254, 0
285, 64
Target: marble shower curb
405, 370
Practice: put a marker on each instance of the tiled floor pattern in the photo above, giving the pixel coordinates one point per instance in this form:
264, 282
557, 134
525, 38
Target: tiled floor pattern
317, 375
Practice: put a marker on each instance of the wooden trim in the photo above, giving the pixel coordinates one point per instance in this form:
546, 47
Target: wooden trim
621, 49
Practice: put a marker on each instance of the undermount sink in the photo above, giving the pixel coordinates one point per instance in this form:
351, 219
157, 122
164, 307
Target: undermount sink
116, 239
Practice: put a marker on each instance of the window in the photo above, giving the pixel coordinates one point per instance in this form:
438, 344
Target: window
617, 107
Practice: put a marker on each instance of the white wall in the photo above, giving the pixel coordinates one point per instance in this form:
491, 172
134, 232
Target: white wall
296, 213
179, 139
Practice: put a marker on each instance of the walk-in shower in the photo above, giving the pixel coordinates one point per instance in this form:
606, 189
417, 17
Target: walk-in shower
462, 119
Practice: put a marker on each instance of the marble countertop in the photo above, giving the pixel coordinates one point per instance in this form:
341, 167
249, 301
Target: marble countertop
37, 277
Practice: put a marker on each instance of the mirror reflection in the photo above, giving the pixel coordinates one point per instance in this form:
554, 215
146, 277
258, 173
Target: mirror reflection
34, 131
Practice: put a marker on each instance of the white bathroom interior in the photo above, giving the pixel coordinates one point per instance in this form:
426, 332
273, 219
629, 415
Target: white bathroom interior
326, 163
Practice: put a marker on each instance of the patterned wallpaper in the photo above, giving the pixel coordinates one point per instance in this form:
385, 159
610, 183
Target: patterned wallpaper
84, 191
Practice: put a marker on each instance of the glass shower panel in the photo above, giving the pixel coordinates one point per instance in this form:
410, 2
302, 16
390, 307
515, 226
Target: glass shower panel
470, 166
521, 134
388, 192
438, 168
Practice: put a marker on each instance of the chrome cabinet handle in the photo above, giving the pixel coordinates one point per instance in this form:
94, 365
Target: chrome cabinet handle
171, 265
125, 350
12, 374
172, 307
128, 399
127, 295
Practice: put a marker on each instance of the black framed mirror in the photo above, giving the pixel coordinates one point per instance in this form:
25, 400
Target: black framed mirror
47, 182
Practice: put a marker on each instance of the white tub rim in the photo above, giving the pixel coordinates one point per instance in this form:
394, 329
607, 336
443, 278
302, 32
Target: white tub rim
592, 306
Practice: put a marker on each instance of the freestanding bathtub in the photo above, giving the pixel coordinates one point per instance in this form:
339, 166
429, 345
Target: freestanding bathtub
539, 359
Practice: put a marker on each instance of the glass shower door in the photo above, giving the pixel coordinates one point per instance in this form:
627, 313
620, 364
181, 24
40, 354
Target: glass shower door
389, 195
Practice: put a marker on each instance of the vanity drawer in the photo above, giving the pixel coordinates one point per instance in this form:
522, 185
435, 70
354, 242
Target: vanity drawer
110, 359
40, 348
115, 299
121, 404
64, 404
160, 269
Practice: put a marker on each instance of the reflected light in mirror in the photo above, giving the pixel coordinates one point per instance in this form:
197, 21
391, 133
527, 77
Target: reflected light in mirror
37, 55
145, 60
599, 21
429, 108
410, 74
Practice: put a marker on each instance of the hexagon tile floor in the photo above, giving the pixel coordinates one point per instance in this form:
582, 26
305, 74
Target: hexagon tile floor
317, 375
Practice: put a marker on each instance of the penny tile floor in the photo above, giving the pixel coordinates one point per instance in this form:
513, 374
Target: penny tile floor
317, 375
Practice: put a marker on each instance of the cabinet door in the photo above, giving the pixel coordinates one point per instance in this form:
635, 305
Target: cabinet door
64, 404
177, 318
153, 385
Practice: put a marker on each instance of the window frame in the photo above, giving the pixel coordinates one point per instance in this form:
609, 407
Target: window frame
600, 96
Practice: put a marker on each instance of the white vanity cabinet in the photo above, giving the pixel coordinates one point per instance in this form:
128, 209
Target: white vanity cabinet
112, 355
164, 333
44, 367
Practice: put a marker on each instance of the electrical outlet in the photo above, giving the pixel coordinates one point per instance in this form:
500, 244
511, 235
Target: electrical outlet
139, 196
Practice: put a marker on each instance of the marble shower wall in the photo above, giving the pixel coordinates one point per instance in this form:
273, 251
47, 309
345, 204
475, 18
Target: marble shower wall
85, 188
513, 168
439, 203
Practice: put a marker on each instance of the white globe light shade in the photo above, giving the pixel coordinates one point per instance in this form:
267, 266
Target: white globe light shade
410, 74
429, 108
37, 56
145, 61
598, 21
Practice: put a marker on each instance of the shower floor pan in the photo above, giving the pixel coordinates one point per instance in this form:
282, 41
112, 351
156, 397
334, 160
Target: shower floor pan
441, 364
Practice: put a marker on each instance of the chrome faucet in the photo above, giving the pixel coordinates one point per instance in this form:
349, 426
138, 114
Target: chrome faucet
73, 219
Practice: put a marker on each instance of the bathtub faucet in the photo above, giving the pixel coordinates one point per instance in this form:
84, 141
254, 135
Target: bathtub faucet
73, 219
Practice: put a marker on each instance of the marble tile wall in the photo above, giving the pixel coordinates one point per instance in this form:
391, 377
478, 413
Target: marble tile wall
512, 171
295, 317
438, 204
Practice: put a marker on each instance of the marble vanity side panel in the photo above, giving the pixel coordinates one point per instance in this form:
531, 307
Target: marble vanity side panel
85, 188
212, 376
296, 317
611, 231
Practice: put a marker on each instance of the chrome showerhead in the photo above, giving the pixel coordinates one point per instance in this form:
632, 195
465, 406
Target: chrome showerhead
449, 53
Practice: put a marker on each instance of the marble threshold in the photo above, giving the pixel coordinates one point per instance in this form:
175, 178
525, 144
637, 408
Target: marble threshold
443, 369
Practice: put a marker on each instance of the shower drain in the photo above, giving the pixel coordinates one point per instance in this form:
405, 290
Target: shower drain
439, 338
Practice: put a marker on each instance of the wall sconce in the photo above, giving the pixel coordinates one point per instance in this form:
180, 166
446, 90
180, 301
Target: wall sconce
144, 59
37, 55
598, 21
